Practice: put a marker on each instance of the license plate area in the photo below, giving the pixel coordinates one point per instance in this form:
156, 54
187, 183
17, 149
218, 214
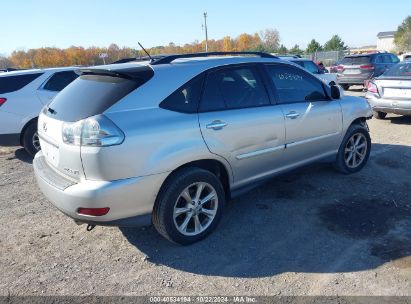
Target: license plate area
397, 93
51, 152
352, 72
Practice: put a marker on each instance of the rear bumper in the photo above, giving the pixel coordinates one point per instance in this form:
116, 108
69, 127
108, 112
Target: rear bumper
130, 200
395, 106
8, 140
352, 80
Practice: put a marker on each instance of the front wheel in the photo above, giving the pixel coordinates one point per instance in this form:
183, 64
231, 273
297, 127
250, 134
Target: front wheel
354, 151
189, 206
31, 142
346, 87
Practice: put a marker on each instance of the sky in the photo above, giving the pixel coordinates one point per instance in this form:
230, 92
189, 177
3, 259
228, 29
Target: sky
39, 23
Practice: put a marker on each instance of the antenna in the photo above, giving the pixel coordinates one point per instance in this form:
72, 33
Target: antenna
145, 51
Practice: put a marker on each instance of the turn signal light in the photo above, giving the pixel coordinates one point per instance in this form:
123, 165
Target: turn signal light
93, 211
2, 101
372, 87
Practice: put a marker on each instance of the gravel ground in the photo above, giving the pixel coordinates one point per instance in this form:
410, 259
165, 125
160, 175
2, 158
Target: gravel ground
310, 232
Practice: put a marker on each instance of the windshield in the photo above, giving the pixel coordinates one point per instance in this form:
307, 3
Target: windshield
399, 70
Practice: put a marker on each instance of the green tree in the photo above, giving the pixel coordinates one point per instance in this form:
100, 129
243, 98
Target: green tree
295, 50
402, 38
313, 46
282, 50
335, 44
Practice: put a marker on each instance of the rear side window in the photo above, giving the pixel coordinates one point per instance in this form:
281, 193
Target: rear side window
356, 60
9, 84
186, 98
394, 59
233, 88
293, 85
60, 80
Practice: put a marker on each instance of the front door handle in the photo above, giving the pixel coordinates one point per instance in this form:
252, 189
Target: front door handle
292, 115
216, 125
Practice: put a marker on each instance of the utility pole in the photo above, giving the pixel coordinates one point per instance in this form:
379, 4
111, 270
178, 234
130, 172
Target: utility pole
205, 28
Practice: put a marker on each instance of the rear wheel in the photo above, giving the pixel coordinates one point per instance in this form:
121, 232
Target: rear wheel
189, 206
346, 87
31, 142
354, 151
379, 115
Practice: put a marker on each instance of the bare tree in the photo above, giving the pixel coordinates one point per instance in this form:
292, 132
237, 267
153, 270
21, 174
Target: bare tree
270, 39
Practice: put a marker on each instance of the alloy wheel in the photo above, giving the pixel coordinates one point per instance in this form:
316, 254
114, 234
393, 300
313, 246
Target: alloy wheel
355, 150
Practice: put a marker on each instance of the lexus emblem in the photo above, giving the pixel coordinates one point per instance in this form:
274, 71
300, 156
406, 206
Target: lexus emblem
45, 127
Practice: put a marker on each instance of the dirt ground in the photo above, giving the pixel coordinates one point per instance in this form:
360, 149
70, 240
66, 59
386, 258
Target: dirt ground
310, 232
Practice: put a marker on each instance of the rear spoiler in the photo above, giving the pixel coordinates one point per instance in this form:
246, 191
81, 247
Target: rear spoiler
137, 73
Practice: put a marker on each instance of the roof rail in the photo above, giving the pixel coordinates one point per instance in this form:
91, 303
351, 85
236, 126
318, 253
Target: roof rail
171, 58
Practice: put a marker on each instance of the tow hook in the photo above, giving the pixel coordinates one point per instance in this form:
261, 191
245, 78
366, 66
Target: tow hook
90, 227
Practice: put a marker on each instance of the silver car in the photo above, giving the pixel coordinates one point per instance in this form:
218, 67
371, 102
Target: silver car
171, 140
391, 92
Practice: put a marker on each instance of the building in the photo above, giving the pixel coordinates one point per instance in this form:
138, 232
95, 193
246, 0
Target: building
385, 41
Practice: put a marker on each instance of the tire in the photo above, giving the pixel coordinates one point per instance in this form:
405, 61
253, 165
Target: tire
343, 162
171, 201
30, 139
346, 87
379, 115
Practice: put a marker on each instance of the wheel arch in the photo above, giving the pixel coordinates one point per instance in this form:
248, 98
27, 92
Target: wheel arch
33, 120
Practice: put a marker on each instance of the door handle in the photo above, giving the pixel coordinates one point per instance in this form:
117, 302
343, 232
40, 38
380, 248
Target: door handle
216, 125
292, 115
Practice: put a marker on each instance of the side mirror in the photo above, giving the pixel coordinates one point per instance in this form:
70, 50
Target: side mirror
335, 92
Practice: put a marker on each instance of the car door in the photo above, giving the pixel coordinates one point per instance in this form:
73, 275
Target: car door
54, 84
313, 122
239, 123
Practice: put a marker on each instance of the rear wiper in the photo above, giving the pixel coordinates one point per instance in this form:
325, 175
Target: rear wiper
52, 111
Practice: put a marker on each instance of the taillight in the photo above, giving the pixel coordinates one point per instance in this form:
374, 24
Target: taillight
2, 101
367, 67
93, 211
340, 68
372, 87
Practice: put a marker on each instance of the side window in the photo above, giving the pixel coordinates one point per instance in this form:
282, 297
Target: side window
293, 85
387, 59
379, 59
311, 66
9, 84
234, 88
60, 80
394, 59
186, 98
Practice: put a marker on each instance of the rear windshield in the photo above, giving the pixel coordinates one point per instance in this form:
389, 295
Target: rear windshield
90, 95
399, 70
357, 60
9, 84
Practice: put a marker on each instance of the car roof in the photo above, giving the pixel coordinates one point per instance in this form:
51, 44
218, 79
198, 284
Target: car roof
32, 71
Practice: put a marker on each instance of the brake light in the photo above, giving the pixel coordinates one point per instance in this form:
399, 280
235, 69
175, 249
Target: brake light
340, 68
93, 211
367, 67
2, 101
372, 87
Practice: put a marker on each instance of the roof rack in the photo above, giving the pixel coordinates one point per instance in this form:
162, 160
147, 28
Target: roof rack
171, 58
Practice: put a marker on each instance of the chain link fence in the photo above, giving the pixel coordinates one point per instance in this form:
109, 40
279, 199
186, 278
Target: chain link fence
328, 58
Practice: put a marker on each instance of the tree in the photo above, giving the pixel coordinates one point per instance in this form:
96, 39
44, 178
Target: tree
402, 38
282, 50
335, 44
270, 40
295, 50
227, 44
313, 47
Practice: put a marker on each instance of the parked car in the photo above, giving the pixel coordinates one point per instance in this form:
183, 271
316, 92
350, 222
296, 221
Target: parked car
334, 67
22, 95
391, 92
312, 67
169, 141
406, 57
356, 69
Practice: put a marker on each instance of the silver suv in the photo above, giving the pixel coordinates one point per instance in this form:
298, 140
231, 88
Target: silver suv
169, 141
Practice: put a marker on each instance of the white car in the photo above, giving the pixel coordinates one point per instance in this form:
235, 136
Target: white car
309, 65
22, 95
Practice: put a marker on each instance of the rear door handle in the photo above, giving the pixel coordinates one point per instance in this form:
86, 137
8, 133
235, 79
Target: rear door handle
292, 115
216, 125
